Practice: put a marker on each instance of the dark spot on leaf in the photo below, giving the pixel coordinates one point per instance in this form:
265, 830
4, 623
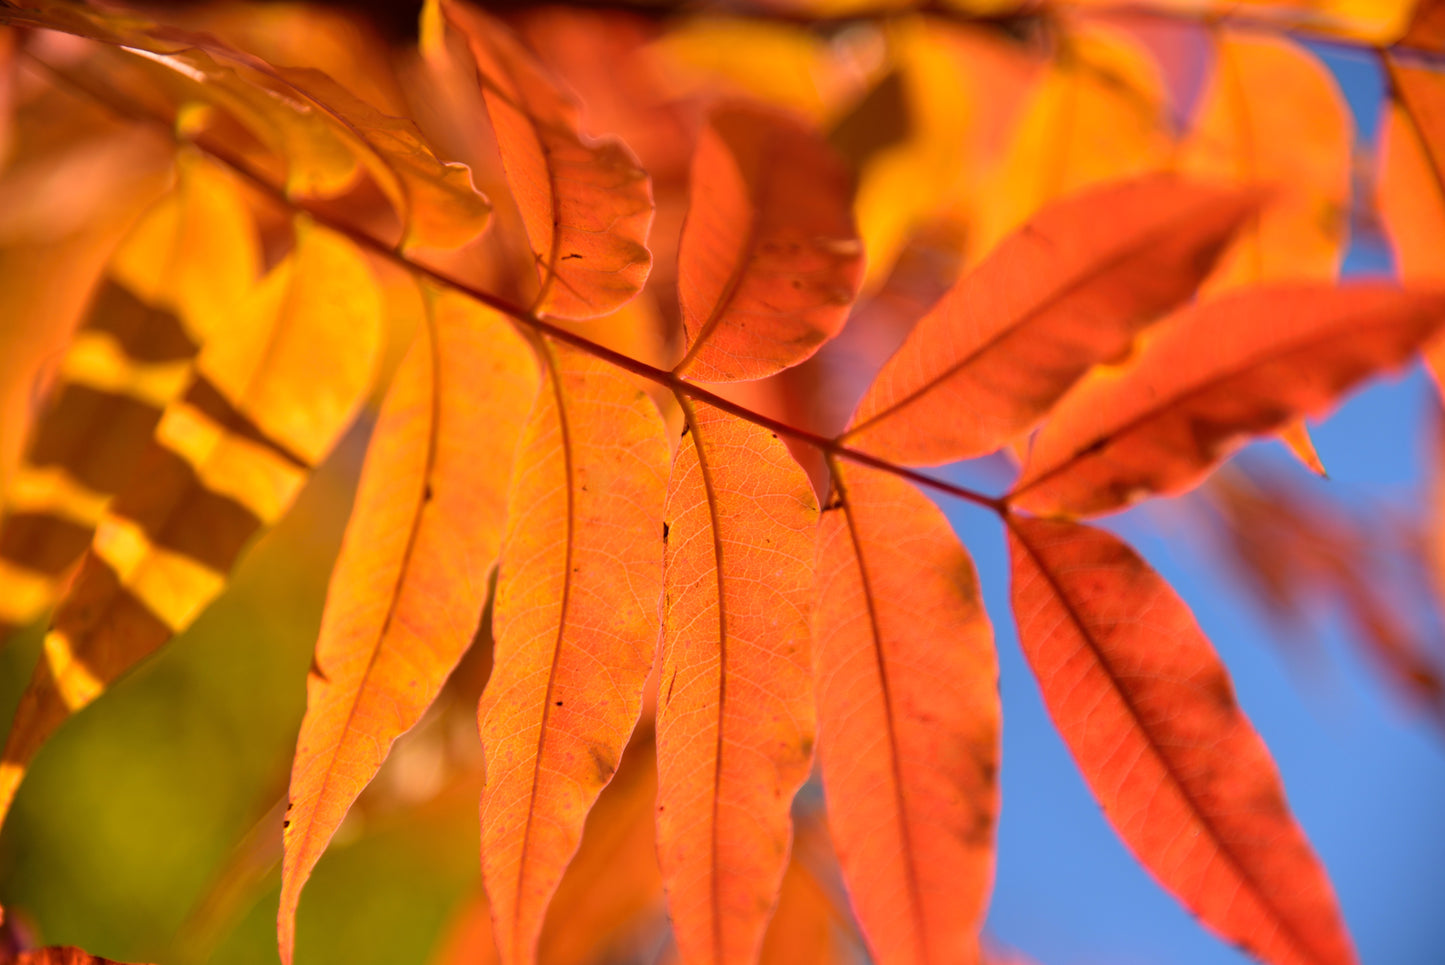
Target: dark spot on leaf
665, 530
686, 428
605, 768
570, 257
559, 703
426, 493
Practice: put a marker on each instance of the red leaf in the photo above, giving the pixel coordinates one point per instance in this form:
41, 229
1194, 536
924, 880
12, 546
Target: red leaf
1217, 373
1148, 711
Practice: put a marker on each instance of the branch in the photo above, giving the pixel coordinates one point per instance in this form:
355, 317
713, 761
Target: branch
523, 316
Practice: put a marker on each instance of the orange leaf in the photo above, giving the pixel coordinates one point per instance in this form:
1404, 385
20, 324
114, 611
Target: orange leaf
612, 891
769, 259
1147, 709
1411, 188
908, 719
611, 894
1069, 290
412, 577
735, 706
804, 930
586, 205
1298, 138
1296, 435
1411, 184
576, 627
1217, 373
272, 395
1097, 114
174, 280
436, 200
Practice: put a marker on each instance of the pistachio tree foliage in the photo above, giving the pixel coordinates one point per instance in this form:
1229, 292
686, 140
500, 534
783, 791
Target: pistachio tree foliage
661, 322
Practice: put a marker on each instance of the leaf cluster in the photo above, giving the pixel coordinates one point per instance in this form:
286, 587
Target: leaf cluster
664, 373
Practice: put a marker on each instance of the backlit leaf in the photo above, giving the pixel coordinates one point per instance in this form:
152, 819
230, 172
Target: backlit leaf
576, 628
1411, 189
1148, 711
435, 199
908, 719
1411, 183
735, 706
1219, 372
174, 280
272, 394
412, 577
783, 64
1297, 140
1095, 116
322, 134
612, 890
804, 930
1068, 291
586, 205
769, 259
926, 132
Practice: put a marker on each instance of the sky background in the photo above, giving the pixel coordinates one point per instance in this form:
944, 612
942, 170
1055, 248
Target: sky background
1365, 776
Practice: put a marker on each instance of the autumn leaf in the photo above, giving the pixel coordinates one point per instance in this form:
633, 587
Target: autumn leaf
435, 200
1095, 115
1217, 373
1426, 27
1411, 187
1148, 711
412, 576
908, 719
735, 722
1298, 140
769, 259
1411, 190
586, 205
927, 134
172, 282
235, 333
576, 627
1068, 291
611, 894
227, 458
803, 930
